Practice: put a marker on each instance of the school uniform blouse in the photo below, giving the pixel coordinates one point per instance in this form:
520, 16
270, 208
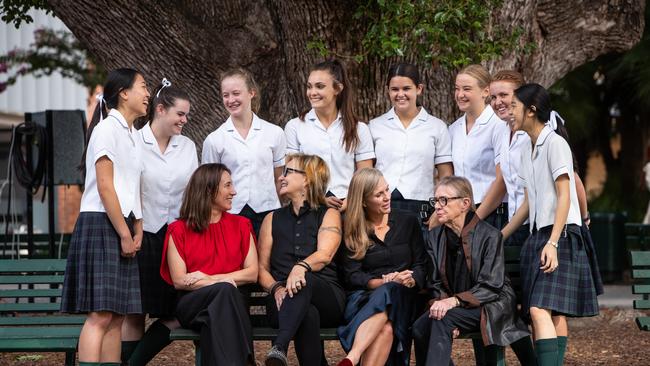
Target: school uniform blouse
221, 248
164, 177
510, 160
311, 137
407, 156
113, 138
476, 154
401, 249
540, 167
251, 160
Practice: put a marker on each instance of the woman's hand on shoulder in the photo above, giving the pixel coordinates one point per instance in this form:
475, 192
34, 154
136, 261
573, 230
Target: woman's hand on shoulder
334, 202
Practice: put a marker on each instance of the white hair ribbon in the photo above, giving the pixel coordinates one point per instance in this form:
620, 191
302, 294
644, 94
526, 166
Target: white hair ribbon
100, 100
552, 121
165, 83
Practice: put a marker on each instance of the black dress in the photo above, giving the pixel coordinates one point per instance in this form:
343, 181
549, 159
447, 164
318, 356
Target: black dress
401, 249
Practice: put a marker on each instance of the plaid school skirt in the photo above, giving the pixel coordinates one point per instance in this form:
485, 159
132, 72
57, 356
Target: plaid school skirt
570, 289
97, 277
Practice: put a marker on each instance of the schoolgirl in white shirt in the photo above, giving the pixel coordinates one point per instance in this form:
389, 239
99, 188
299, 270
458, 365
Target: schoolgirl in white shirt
331, 129
410, 144
476, 140
557, 277
101, 276
252, 148
168, 161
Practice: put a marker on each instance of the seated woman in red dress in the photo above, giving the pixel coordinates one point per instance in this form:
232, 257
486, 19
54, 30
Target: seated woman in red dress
208, 253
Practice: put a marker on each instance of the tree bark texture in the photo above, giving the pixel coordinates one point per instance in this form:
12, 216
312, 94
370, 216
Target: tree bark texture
192, 42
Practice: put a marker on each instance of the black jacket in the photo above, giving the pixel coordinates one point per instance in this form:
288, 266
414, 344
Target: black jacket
491, 290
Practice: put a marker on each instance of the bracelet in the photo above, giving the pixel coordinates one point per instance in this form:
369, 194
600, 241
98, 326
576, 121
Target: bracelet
304, 265
587, 218
275, 287
553, 243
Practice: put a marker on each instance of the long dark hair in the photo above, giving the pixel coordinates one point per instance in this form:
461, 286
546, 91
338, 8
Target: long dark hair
536, 98
165, 95
117, 80
344, 101
199, 195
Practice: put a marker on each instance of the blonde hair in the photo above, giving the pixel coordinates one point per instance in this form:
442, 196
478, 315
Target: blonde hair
317, 174
511, 76
250, 84
461, 186
356, 227
481, 74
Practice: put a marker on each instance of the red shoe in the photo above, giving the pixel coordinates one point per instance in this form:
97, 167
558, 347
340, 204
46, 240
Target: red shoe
345, 362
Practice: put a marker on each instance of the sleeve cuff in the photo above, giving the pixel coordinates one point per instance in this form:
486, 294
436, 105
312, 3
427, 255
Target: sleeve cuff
364, 156
442, 159
560, 171
103, 152
279, 163
469, 299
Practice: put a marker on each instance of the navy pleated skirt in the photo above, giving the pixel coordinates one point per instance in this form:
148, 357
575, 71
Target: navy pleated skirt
158, 297
569, 290
97, 277
399, 303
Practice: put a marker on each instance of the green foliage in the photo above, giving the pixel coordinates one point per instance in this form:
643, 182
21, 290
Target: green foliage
451, 33
52, 51
15, 11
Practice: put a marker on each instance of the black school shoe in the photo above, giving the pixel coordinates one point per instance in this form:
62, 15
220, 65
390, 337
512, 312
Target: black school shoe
276, 357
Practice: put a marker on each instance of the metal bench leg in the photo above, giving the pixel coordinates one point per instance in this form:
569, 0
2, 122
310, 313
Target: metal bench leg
197, 353
70, 358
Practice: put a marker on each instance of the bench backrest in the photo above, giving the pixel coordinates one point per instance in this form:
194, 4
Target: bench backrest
637, 236
16, 246
30, 285
641, 271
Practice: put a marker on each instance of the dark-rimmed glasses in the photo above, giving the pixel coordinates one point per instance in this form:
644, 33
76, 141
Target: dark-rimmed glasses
288, 171
441, 200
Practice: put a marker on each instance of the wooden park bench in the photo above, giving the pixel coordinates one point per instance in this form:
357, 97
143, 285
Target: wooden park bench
262, 331
30, 294
640, 261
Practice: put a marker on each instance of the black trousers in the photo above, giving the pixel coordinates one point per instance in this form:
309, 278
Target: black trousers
319, 303
433, 338
219, 313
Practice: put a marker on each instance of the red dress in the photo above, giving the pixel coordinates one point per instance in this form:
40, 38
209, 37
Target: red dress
221, 248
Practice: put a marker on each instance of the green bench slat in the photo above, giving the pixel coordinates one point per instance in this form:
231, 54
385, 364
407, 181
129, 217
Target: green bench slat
259, 334
641, 273
39, 332
42, 320
42, 345
640, 258
641, 289
34, 307
32, 265
643, 323
31, 293
642, 304
18, 279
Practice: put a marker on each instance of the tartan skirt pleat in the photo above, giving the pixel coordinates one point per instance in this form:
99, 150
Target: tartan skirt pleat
570, 289
158, 297
97, 277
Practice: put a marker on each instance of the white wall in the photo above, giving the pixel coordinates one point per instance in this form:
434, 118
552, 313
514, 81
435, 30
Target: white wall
31, 94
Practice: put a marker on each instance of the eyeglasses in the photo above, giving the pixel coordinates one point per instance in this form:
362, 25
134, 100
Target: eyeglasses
288, 171
441, 200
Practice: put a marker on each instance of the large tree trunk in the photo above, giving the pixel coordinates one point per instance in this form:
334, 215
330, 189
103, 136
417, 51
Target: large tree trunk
191, 42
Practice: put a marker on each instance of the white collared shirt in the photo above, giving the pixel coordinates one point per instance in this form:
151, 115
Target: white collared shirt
407, 156
540, 167
476, 154
511, 151
164, 177
251, 161
311, 137
112, 138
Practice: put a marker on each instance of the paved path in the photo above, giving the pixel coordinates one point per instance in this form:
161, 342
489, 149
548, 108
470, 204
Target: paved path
617, 296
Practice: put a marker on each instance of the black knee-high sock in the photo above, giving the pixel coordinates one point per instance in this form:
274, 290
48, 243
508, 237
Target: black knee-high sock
127, 350
546, 350
154, 340
561, 349
523, 348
